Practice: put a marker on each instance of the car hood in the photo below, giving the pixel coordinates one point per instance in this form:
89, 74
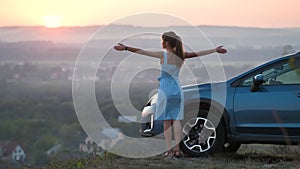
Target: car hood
213, 91
192, 91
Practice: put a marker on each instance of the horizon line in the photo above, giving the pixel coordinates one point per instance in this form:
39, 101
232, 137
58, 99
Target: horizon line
128, 25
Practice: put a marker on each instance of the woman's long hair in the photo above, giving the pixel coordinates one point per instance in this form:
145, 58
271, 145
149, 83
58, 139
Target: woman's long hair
175, 43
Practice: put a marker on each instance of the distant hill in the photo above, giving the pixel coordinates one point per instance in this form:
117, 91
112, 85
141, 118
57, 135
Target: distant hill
244, 44
231, 35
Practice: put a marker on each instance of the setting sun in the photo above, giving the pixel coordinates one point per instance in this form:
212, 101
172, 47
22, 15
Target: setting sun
52, 21
255, 13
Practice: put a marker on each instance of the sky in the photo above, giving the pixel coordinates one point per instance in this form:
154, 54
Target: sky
243, 13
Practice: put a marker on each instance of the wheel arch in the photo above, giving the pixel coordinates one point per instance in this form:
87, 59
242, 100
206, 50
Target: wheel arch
208, 104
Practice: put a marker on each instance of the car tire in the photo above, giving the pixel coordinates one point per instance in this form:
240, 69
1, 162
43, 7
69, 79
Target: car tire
194, 143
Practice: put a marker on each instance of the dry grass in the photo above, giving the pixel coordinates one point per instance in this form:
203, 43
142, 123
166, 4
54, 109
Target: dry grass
248, 157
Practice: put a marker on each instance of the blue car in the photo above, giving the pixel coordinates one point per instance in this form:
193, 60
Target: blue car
261, 105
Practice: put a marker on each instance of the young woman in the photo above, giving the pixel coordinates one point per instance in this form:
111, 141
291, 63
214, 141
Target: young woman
170, 102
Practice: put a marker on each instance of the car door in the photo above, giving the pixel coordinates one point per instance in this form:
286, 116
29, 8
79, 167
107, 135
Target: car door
275, 108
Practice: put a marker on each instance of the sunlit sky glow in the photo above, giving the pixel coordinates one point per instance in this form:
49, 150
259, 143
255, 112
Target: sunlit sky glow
254, 13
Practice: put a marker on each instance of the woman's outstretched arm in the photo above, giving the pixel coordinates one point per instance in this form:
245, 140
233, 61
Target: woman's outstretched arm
218, 49
121, 47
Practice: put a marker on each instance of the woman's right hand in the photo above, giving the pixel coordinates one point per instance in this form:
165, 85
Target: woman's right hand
120, 47
221, 50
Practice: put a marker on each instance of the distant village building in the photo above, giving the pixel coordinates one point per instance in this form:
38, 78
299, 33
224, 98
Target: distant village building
127, 119
12, 151
89, 146
53, 149
110, 137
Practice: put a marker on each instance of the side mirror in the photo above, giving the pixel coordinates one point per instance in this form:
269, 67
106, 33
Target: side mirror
257, 81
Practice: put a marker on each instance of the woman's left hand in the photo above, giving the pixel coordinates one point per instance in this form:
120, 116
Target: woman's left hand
221, 50
120, 47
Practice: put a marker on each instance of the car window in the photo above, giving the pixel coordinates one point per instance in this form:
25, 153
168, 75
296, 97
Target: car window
248, 81
282, 73
291, 77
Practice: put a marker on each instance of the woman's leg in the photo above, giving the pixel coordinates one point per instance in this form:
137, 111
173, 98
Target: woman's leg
168, 133
177, 134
